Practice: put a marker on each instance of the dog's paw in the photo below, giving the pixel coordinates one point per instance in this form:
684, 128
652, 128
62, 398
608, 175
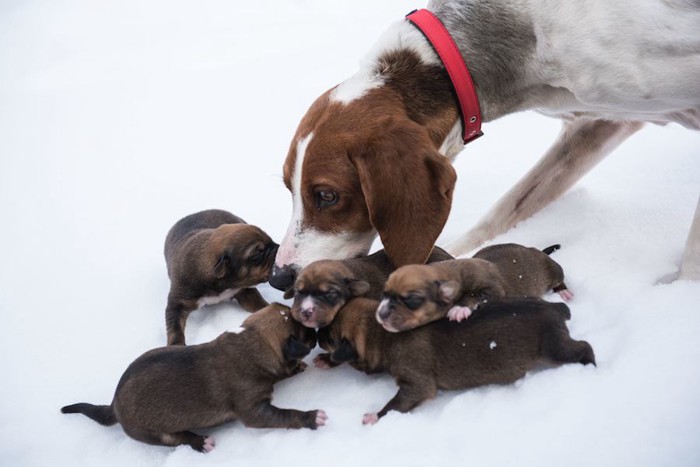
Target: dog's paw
459, 313
566, 294
209, 444
321, 418
370, 418
323, 361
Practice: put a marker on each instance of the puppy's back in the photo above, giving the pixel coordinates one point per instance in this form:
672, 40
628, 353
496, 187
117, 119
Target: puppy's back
189, 225
500, 342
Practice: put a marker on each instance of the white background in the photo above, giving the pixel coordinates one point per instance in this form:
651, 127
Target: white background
119, 118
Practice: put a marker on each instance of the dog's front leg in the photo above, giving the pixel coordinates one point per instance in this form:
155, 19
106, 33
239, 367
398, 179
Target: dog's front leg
411, 394
690, 263
266, 415
580, 146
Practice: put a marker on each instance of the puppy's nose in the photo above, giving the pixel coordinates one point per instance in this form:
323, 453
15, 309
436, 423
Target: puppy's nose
306, 313
283, 277
384, 310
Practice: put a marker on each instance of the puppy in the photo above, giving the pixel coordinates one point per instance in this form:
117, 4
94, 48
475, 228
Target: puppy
498, 345
171, 390
213, 256
417, 294
324, 286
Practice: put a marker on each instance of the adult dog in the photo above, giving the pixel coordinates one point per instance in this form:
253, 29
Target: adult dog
373, 154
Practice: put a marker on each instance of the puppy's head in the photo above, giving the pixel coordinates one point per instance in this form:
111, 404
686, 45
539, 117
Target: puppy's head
358, 169
415, 295
238, 255
290, 340
347, 337
321, 289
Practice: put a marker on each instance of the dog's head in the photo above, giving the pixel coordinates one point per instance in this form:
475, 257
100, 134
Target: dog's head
321, 289
418, 294
357, 169
289, 340
238, 255
415, 295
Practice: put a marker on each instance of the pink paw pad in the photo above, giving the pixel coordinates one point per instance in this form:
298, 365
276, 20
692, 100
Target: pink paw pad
321, 362
209, 444
370, 419
459, 313
566, 295
321, 418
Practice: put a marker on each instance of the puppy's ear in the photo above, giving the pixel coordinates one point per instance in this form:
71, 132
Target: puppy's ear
221, 266
289, 293
357, 287
447, 291
294, 349
345, 352
408, 187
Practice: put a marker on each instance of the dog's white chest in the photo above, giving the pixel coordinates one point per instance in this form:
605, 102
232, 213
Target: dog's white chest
214, 299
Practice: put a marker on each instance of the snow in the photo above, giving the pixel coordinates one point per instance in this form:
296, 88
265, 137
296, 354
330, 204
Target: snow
117, 118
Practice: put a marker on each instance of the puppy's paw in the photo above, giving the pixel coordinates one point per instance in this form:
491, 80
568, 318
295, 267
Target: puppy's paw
370, 418
314, 419
209, 444
323, 361
566, 294
321, 418
459, 313
300, 367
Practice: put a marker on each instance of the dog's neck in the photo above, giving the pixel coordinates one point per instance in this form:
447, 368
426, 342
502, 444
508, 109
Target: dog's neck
497, 44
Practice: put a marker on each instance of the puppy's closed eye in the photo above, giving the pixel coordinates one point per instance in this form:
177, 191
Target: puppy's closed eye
413, 302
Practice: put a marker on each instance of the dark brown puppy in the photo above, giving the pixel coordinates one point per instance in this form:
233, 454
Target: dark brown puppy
214, 256
527, 271
418, 294
498, 345
323, 287
171, 390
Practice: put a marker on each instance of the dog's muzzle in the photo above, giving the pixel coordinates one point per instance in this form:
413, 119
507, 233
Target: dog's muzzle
283, 278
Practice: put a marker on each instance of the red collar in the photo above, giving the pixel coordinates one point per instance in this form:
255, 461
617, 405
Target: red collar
456, 67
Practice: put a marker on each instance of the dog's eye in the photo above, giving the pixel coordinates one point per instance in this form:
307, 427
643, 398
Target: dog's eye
325, 198
413, 302
331, 296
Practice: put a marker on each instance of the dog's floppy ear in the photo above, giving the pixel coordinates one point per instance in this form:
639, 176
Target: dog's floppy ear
221, 266
294, 349
447, 291
345, 352
289, 293
357, 287
408, 188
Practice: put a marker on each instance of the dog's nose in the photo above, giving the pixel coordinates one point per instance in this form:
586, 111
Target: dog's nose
283, 278
307, 313
384, 310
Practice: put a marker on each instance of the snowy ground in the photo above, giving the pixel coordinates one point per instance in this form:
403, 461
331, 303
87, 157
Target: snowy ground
118, 118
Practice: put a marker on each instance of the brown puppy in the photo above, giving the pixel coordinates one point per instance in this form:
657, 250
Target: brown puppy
324, 286
498, 345
214, 256
418, 294
171, 390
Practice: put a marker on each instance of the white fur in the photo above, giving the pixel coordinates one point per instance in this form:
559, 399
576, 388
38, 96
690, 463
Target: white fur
400, 35
304, 245
619, 60
214, 299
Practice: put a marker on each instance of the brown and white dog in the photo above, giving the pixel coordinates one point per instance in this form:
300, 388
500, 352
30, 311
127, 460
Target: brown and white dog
169, 391
213, 256
373, 154
324, 286
418, 294
498, 345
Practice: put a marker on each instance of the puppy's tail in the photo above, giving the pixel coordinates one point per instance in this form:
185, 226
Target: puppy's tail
102, 414
551, 249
